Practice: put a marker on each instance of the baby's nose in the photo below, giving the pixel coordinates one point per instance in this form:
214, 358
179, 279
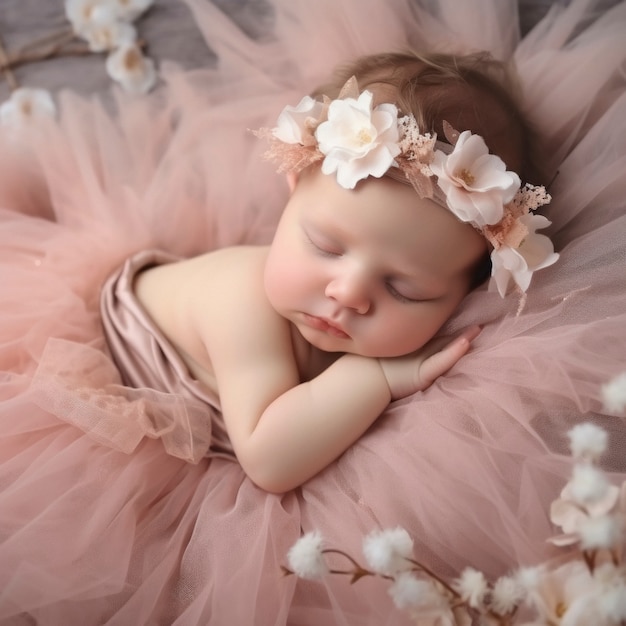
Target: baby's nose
350, 290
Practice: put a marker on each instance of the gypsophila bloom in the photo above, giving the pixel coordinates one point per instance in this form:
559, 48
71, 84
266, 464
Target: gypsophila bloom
387, 551
293, 123
472, 586
587, 441
25, 105
506, 595
134, 71
358, 140
614, 394
536, 252
529, 578
599, 532
407, 591
477, 184
305, 557
588, 484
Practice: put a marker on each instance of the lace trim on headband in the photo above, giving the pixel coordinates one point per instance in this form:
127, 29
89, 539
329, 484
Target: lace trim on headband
353, 140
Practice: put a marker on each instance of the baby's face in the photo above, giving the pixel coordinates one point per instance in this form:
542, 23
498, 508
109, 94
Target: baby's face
374, 271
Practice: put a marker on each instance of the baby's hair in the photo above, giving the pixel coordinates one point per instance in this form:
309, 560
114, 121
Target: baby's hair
472, 92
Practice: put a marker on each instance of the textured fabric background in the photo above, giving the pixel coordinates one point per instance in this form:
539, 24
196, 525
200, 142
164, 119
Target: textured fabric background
167, 28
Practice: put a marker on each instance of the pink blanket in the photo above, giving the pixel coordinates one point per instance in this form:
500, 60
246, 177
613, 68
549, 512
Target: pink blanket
94, 533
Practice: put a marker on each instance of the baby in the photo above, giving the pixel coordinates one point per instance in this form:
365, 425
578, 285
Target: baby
400, 204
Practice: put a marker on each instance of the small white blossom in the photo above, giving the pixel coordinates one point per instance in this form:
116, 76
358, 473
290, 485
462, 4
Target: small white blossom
588, 484
557, 595
472, 585
104, 31
568, 513
26, 104
614, 394
506, 595
305, 557
477, 184
409, 592
611, 592
387, 551
130, 10
529, 578
291, 126
358, 140
80, 12
536, 252
134, 71
587, 441
599, 532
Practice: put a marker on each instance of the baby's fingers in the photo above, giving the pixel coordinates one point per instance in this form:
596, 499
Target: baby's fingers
440, 362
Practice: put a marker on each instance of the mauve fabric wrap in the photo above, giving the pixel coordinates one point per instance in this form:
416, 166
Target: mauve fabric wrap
144, 355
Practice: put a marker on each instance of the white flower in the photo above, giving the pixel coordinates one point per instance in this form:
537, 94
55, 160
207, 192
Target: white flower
535, 252
358, 140
130, 10
568, 513
477, 184
79, 12
611, 590
387, 551
104, 31
589, 484
305, 557
506, 595
614, 394
587, 441
562, 595
135, 72
472, 585
291, 126
409, 592
599, 532
25, 105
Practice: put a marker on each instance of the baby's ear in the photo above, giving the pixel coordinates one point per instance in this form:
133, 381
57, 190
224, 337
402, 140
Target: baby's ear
292, 179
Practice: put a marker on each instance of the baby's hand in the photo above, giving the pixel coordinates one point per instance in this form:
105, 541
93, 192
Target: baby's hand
417, 371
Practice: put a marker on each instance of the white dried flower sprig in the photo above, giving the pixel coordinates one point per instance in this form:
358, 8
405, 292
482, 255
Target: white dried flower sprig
589, 588
105, 26
614, 394
413, 586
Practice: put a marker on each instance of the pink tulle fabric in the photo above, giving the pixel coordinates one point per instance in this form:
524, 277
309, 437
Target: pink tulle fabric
96, 533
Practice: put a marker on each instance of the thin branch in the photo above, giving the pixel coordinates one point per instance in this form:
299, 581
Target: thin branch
441, 581
63, 35
6, 67
12, 62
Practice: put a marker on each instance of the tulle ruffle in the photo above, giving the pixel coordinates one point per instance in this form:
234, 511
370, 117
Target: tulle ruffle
96, 533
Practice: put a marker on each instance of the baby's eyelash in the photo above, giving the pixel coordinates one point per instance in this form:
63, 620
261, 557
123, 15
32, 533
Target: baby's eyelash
321, 250
400, 297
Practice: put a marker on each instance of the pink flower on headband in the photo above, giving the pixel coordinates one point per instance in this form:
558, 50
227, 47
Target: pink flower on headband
477, 184
357, 140
534, 253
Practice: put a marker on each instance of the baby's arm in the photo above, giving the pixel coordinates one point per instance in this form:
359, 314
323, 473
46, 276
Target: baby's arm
308, 426
284, 431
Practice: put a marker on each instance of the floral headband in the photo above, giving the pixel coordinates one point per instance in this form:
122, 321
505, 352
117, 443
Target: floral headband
355, 140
